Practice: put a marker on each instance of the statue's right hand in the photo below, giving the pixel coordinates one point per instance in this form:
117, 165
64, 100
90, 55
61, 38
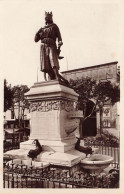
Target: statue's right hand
37, 38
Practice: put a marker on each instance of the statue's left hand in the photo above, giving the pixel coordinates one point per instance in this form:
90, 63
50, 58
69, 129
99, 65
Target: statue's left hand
60, 43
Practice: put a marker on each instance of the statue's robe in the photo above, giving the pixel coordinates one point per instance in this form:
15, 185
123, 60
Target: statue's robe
48, 51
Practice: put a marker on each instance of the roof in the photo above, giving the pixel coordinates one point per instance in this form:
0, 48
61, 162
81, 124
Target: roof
91, 67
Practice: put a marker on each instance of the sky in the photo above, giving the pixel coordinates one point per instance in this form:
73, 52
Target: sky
90, 31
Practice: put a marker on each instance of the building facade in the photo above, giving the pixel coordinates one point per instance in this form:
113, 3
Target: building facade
16, 123
110, 116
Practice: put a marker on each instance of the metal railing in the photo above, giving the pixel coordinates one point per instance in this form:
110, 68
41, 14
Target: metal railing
13, 144
10, 145
22, 176
106, 148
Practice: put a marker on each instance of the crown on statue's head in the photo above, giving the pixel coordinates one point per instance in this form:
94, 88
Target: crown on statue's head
48, 14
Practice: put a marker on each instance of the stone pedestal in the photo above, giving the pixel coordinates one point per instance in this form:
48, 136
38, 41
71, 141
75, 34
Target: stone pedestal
51, 106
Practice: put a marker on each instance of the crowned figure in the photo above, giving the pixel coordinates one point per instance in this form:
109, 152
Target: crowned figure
49, 50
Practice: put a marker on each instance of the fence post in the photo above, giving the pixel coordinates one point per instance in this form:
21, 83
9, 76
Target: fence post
12, 181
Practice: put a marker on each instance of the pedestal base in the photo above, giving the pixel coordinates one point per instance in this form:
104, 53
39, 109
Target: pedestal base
52, 145
69, 158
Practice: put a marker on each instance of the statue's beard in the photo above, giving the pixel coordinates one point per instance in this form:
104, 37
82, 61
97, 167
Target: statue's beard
49, 22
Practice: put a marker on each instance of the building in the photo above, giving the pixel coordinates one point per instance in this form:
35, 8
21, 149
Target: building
12, 127
110, 117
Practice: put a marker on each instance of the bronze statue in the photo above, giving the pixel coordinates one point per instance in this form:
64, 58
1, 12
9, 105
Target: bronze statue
49, 51
86, 150
34, 153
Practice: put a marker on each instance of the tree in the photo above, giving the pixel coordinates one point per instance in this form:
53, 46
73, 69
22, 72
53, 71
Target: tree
8, 96
21, 101
99, 92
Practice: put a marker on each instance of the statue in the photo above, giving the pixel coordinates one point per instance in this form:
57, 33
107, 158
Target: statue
86, 150
49, 53
34, 153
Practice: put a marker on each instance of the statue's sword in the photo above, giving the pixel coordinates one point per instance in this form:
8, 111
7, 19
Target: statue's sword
58, 52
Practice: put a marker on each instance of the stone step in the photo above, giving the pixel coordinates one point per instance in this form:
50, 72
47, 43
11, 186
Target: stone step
69, 158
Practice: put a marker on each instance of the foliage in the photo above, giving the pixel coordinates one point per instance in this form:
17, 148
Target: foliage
20, 100
98, 92
105, 138
108, 137
8, 96
15, 96
19, 92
